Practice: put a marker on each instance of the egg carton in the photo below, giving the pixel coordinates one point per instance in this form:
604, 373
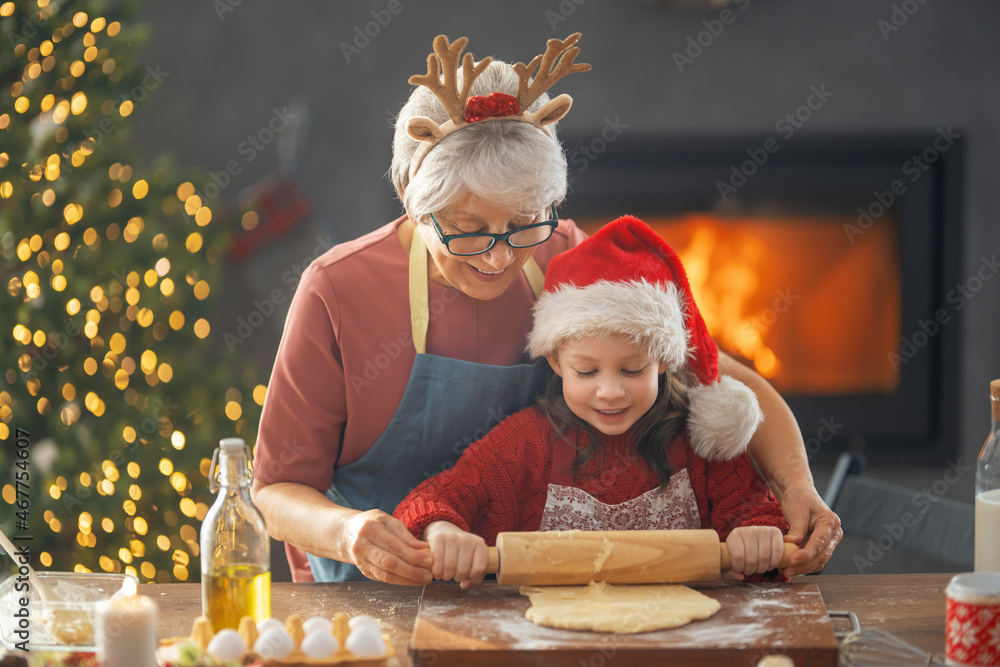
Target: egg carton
202, 635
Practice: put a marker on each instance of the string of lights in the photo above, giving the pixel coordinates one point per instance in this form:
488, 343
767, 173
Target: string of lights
110, 276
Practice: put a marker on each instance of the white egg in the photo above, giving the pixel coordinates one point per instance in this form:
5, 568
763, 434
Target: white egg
274, 644
365, 641
319, 644
267, 624
362, 620
317, 624
227, 645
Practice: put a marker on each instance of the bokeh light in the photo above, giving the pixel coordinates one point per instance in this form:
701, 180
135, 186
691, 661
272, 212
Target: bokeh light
109, 305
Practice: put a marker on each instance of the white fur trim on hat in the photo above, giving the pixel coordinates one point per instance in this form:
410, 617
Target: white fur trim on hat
722, 418
651, 316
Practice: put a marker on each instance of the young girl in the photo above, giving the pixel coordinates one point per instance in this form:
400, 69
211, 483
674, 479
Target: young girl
635, 430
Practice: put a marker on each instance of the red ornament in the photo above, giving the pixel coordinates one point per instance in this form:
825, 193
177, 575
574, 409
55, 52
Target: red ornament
496, 104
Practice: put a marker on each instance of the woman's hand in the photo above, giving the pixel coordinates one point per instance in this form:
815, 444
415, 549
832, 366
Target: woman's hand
809, 517
753, 550
778, 450
458, 555
384, 550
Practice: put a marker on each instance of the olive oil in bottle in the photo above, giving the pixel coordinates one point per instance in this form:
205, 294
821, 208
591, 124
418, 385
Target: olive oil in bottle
235, 591
235, 547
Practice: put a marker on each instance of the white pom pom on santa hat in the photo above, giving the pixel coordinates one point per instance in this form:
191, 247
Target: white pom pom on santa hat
625, 279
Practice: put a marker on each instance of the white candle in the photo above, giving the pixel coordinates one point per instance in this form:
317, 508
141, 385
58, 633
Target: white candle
126, 632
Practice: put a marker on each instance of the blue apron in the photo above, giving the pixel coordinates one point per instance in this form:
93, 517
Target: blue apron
447, 405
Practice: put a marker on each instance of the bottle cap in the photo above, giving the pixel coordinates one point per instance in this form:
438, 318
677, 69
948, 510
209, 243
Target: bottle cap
975, 587
232, 444
995, 394
229, 447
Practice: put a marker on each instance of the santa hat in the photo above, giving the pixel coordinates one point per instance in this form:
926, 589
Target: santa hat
626, 279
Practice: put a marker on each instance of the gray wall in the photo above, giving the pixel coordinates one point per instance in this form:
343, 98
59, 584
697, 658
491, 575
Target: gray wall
228, 72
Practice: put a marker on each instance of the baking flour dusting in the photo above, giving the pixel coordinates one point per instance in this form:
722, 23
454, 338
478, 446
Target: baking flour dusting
751, 615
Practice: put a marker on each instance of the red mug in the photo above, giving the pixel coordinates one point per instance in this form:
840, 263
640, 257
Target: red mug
972, 620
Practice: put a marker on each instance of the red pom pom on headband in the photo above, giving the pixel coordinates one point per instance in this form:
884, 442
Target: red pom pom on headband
496, 105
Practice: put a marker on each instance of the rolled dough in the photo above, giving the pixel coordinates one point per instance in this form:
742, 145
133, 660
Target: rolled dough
621, 609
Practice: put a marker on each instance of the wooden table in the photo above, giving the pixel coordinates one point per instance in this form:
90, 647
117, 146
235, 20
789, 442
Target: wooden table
910, 606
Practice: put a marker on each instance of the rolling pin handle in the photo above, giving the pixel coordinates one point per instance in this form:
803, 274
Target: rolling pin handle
786, 557
492, 560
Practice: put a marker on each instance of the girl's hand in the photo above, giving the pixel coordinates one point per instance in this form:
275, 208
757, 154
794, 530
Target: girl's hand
754, 550
458, 555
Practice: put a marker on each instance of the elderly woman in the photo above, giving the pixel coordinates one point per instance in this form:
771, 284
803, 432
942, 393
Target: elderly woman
402, 347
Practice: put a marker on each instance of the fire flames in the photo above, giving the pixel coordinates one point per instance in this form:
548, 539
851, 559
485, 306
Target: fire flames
810, 308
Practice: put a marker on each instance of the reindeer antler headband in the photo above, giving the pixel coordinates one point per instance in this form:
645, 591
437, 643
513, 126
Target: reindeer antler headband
441, 79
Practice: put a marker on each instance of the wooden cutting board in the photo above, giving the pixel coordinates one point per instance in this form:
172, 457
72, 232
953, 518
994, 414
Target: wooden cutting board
486, 626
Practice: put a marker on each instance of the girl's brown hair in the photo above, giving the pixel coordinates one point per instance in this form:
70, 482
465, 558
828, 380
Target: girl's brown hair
664, 421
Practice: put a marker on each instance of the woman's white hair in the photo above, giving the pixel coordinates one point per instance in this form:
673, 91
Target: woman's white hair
509, 164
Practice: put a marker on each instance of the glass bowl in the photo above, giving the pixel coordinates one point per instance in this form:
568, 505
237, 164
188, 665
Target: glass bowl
78, 593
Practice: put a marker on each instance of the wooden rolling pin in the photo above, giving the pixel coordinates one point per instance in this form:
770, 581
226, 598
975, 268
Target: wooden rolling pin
566, 557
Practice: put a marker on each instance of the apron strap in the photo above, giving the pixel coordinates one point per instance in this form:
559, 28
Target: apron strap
419, 300
535, 277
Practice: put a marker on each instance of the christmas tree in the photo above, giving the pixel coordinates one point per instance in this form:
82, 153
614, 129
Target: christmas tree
113, 393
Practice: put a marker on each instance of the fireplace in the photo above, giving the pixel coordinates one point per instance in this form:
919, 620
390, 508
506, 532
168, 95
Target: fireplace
827, 264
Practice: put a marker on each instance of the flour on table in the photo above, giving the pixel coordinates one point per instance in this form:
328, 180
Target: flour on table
621, 609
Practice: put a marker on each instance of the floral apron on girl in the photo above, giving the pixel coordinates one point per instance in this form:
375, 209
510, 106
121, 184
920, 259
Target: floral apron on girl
447, 405
570, 508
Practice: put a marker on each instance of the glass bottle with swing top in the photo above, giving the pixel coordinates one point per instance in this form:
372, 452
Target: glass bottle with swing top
235, 547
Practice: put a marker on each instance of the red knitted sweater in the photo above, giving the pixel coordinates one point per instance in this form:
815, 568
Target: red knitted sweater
501, 481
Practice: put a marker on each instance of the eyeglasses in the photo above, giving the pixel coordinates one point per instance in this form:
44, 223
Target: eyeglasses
465, 245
